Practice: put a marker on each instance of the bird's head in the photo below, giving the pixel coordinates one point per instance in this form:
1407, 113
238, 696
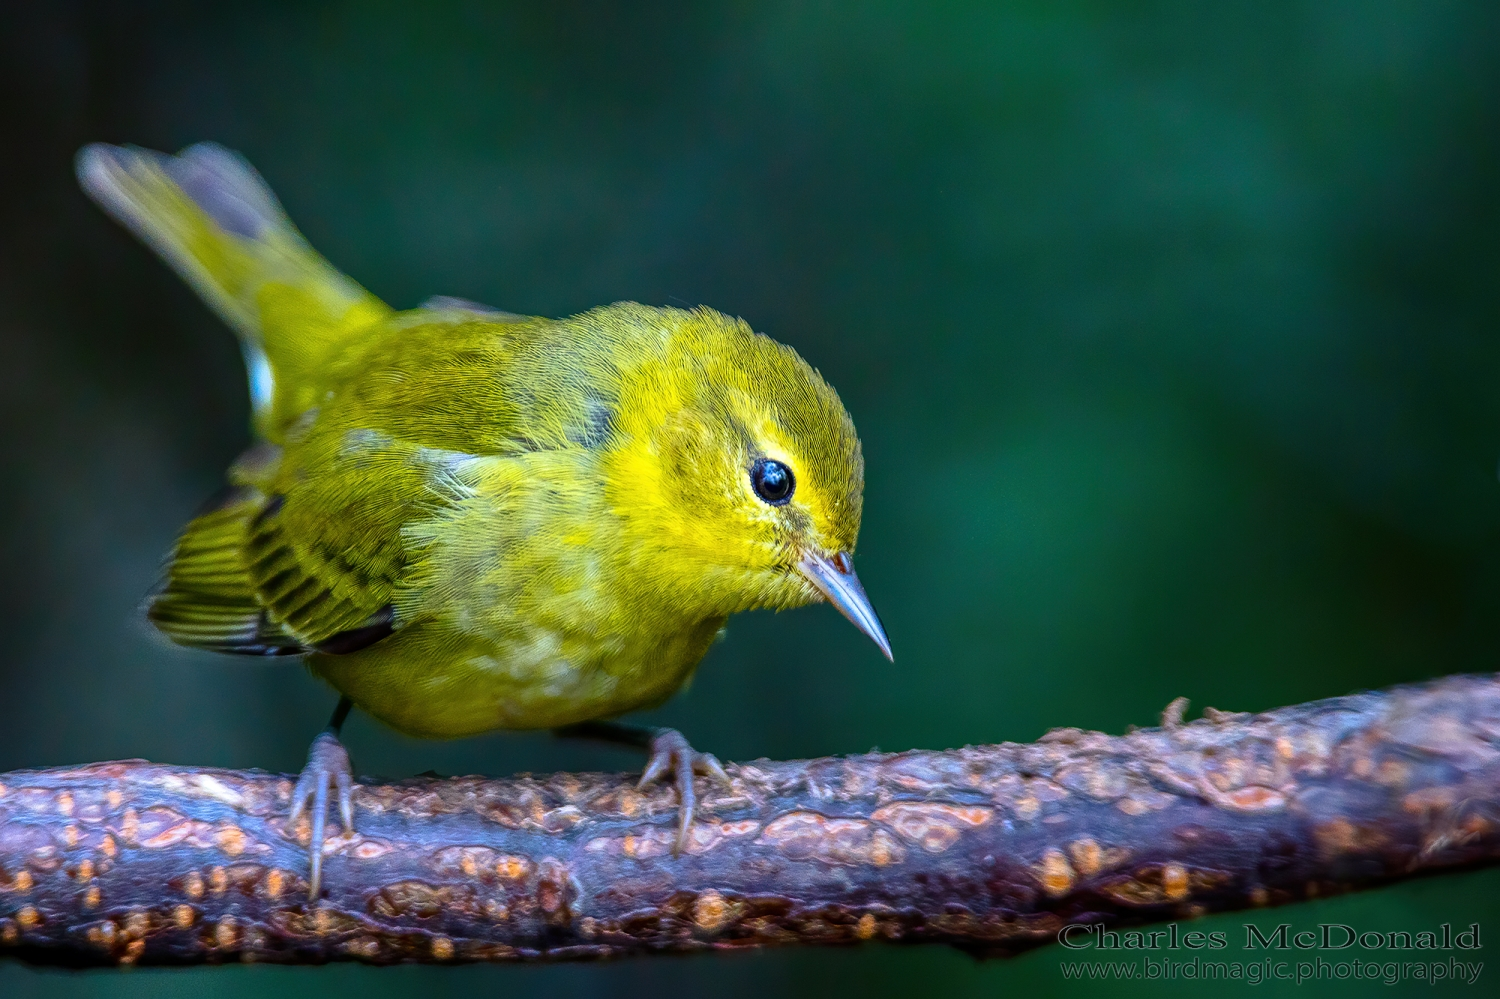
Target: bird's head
742, 475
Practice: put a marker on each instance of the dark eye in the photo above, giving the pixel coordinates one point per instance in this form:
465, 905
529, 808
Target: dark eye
773, 481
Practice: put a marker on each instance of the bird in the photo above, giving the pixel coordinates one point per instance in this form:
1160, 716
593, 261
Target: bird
466, 519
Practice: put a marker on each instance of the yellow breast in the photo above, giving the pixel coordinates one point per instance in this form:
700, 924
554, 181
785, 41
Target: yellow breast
522, 611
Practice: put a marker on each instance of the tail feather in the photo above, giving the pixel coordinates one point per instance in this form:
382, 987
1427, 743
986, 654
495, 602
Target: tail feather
209, 215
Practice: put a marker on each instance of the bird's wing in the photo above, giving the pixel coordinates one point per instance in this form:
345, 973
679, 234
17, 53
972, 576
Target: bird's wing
448, 303
207, 597
306, 558
310, 548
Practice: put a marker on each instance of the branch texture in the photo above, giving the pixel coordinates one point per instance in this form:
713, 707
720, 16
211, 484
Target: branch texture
993, 848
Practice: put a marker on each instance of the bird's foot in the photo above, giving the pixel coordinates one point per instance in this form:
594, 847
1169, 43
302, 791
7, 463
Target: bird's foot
327, 763
671, 753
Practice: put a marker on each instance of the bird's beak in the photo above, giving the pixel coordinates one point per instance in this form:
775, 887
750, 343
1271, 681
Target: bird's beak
835, 579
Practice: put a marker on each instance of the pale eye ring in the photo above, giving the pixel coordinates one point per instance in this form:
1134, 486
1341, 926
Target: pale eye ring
772, 481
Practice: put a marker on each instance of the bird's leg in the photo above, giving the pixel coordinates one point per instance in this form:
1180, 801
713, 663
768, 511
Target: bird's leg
327, 763
669, 753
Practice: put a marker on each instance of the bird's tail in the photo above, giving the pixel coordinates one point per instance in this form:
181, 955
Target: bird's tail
207, 213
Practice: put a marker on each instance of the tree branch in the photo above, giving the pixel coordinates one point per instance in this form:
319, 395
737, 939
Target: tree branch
993, 848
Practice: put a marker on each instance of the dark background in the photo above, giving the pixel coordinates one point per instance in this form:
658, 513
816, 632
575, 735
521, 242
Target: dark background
1172, 331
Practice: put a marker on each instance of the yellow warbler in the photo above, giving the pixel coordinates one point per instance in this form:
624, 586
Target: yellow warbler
469, 520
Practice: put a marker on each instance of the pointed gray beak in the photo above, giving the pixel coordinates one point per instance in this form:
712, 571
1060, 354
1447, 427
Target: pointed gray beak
835, 578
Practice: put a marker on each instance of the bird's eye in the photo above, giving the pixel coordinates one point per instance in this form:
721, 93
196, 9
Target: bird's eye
772, 480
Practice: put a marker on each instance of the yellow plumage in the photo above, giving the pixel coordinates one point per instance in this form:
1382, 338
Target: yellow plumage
471, 520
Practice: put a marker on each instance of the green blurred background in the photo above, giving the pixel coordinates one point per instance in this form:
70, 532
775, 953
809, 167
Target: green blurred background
1172, 331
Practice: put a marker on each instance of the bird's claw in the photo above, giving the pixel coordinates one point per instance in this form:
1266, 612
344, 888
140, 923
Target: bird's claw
327, 763
671, 753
